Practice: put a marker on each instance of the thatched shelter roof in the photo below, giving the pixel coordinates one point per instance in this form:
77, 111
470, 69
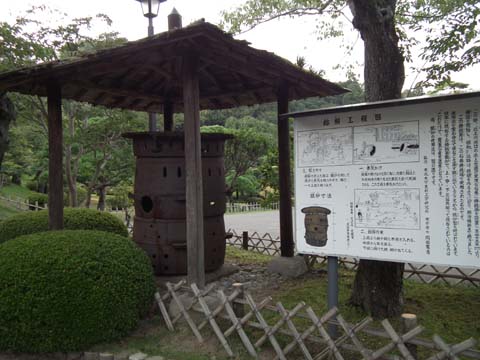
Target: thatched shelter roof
142, 75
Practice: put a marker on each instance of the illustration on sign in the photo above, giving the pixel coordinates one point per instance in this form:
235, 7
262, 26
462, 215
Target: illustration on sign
325, 147
390, 208
386, 143
316, 225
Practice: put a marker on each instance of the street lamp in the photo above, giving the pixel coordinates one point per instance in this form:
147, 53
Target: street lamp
150, 10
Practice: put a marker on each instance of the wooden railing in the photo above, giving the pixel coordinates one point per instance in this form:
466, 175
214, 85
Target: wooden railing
21, 204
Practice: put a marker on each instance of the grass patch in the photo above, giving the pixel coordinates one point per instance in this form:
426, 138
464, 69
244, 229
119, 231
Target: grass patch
16, 191
6, 212
451, 312
240, 256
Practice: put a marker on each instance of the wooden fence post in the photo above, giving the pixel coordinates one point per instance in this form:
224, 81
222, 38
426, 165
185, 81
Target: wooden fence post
409, 322
245, 240
238, 308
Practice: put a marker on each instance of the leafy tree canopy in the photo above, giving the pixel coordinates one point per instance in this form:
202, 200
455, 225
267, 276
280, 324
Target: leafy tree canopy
450, 27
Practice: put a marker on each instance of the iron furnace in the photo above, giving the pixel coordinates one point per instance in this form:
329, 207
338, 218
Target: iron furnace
159, 197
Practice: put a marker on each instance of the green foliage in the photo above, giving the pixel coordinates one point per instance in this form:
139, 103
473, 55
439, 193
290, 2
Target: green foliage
243, 152
38, 199
118, 197
247, 185
31, 185
74, 219
20, 46
253, 12
452, 40
16, 191
68, 290
81, 195
6, 212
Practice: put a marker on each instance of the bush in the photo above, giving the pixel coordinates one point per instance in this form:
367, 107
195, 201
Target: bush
74, 219
118, 197
37, 199
32, 185
68, 290
81, 195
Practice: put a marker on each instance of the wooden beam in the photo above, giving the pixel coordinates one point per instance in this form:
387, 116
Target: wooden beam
115, 91
193, 169
286, 226
55, 156
168, 116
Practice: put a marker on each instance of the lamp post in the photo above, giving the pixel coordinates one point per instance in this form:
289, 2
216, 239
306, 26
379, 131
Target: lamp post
150, 10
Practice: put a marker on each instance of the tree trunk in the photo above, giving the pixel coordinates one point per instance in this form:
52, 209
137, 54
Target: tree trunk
102, 194
69, 173
378, 285
16, 179
100, 165
7, 114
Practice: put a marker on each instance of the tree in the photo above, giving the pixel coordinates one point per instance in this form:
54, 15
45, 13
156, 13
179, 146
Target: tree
107, 157
378, 285
243, 152
452, 41
27, 41
7, 114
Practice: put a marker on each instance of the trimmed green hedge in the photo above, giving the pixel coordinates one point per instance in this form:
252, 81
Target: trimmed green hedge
74, 219
68, 290
37, 199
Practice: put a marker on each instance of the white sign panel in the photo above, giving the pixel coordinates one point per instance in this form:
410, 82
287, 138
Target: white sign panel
401, 182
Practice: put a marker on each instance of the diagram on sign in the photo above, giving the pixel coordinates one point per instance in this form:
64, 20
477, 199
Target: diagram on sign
386, 143
325, 147
390, 209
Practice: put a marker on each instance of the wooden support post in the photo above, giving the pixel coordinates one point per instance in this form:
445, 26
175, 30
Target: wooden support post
245, 240
286, 225
55, 156
193, 169
168, 116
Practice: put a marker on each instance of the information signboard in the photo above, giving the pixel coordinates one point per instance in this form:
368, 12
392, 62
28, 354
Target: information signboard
397, 183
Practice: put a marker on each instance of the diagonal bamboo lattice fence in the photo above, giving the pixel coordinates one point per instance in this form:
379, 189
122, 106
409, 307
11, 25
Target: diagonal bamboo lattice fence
427, 274
298, 333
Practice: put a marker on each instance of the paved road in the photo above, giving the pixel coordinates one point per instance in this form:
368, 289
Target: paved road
260, 221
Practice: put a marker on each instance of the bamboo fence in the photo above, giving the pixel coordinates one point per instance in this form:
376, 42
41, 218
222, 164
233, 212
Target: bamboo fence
427, 274
297, 333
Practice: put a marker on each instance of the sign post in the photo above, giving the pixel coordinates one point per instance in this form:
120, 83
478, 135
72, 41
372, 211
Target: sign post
332, 292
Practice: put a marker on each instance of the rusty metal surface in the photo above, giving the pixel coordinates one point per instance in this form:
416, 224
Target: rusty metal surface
159, 199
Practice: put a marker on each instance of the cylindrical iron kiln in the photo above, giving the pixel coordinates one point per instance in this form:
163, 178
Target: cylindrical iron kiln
159, 195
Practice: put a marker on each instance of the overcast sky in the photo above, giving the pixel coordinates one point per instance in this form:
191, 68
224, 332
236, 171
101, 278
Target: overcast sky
288, 38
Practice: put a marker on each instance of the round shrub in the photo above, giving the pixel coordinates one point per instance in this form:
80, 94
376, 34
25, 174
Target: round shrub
74, 219
37, 199
68, 290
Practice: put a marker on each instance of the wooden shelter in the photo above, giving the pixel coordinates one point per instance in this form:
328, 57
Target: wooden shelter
186, 69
